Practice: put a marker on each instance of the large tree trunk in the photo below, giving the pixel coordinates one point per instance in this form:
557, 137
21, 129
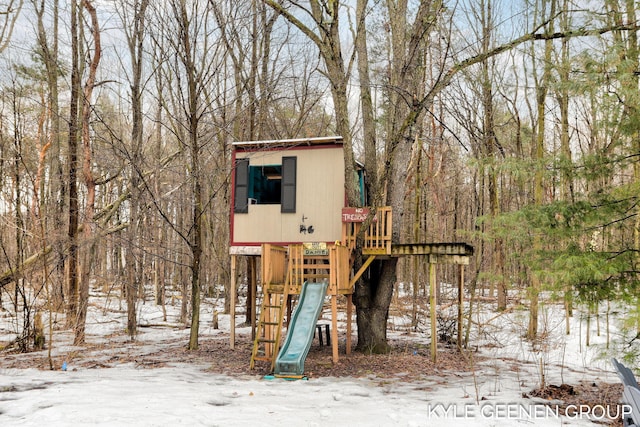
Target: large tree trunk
372, 300
73, 213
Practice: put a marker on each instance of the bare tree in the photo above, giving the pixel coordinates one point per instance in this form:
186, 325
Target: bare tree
89, 179
8, 16
134, 26
47, 39
72, 174
191, 62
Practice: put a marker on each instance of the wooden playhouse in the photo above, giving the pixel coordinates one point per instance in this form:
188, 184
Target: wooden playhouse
289, 209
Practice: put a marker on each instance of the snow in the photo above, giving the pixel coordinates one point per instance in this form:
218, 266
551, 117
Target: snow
187, 394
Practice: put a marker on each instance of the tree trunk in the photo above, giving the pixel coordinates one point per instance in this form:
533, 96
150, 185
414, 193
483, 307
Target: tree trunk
372, 300
405, 77
490, 147
135, 38
187, 47
72, 182
90, 183
56, 201
366, 104
566, 162
538, 155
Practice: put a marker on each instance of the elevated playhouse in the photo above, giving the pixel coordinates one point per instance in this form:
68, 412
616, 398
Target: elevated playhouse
288, 209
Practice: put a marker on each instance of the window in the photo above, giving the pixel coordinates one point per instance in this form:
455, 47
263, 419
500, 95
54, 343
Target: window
265, 185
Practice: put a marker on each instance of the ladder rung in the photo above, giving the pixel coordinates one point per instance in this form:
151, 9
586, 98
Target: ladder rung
270, 323
272, 306
266, 340
262, 358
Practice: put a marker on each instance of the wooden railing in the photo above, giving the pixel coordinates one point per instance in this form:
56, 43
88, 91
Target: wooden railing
376, 238
274, 264
278, 262
308, 268
339, 258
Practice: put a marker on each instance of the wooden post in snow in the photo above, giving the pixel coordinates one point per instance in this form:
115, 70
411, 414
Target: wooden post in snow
334, 327
460, 303
432, 306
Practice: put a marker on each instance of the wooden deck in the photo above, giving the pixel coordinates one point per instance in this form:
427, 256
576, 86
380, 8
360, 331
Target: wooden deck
437, 253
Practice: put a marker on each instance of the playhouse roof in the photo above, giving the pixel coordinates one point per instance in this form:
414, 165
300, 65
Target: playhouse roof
287, 143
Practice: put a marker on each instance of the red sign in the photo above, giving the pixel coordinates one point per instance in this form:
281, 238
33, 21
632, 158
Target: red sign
355, 214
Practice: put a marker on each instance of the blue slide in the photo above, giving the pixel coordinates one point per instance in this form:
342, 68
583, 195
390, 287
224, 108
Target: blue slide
294, 351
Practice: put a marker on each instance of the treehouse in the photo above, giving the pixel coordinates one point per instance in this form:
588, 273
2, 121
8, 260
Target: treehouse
288, 208
287, 191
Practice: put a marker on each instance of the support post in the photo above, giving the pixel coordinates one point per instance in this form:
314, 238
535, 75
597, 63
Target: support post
349, 314
334, 327
460, 303
432, 307
232, 304
253, 295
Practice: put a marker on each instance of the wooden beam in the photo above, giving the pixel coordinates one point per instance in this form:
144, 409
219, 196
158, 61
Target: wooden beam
460, 249
334, 327
349, 314
232, 305
254, 295
448, 259
363, 268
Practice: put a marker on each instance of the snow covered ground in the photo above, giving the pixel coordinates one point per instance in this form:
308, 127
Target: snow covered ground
182, 393
185, 395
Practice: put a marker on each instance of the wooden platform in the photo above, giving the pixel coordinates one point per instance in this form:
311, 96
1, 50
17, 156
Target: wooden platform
437, 253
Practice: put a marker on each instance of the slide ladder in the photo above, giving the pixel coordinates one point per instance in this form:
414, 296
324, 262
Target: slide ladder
290, 361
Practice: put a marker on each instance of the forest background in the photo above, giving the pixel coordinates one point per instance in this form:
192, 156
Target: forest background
513, 126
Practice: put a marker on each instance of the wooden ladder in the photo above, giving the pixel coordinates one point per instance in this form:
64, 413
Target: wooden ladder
267, 341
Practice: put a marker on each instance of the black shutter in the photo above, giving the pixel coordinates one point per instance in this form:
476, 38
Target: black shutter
288, 199
241, 194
